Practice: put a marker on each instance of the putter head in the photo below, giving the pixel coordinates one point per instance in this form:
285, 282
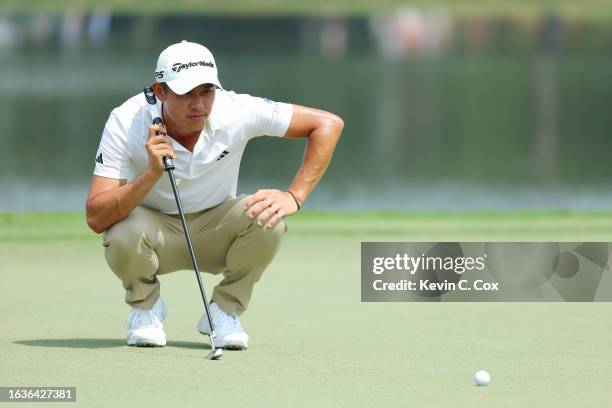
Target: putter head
215, 355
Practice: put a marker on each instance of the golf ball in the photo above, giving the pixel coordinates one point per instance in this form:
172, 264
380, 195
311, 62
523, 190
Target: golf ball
482, 378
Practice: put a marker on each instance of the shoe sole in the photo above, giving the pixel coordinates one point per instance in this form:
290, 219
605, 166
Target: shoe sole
146, 343
228, 346
235, 347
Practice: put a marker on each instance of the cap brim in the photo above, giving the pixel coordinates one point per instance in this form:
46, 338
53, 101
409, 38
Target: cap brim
183, 85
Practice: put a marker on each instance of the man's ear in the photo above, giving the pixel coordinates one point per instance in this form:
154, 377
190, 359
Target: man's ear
159, 90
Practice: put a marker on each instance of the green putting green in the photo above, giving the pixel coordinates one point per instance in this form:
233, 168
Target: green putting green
591, 8
313, 343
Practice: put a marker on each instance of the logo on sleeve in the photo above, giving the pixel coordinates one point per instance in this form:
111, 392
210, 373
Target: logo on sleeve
275, 108
99, 159
225, 153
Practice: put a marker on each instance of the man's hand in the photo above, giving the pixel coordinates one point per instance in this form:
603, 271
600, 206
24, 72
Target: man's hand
158, 146
270, 206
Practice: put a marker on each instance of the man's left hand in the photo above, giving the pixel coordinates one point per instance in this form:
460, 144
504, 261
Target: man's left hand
270, 206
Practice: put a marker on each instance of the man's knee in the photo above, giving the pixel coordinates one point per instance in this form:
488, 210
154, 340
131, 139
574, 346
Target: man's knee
276, 233
238, 211
270, 238
244, 225
132, 232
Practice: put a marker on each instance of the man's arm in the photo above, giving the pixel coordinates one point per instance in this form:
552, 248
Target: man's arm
111, 200
323, 130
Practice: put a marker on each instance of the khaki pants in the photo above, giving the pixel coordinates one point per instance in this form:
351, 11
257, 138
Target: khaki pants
148, 243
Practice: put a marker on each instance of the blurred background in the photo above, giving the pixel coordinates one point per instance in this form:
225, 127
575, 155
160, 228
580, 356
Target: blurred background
448, 106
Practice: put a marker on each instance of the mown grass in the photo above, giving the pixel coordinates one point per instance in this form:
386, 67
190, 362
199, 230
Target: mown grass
591, 8
63, 310
565, 226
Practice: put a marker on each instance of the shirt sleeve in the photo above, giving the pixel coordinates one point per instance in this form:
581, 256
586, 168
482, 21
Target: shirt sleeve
265, 117
112, 158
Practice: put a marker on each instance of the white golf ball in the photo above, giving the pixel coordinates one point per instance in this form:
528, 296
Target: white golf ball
482, 378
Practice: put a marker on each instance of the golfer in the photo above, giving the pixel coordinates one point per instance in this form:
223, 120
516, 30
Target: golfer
205, 131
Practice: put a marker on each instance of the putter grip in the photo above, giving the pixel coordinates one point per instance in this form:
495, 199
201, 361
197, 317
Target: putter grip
168, 163
152, 102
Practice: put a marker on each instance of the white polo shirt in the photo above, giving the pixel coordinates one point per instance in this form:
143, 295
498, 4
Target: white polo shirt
209, 175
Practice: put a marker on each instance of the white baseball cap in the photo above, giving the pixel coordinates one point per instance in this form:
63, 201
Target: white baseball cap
185, 65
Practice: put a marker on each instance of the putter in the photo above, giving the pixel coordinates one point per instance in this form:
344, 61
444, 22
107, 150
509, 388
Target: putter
215, 353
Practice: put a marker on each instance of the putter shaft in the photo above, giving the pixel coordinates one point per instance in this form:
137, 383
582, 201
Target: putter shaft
169, 167
191, 252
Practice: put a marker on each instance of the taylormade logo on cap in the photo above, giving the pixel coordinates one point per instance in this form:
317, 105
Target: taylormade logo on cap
178, 66
186, 65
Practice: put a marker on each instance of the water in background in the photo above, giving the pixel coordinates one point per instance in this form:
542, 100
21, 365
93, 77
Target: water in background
441, 112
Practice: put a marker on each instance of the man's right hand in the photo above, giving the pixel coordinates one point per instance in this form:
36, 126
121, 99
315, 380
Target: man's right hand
111, 200
158, 146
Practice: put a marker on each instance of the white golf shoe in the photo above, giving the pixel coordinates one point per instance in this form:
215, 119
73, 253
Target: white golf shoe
145, 327
229, 332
